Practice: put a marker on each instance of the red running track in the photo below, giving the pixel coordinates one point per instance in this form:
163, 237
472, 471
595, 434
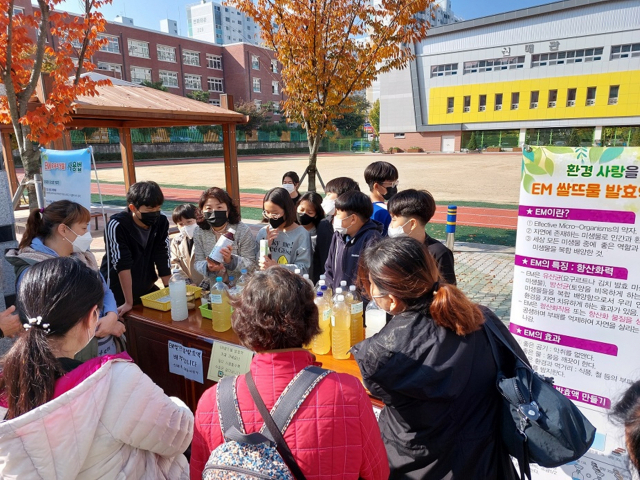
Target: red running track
468, 216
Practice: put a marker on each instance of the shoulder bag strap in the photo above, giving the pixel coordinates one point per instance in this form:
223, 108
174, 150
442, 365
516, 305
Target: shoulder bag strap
281, 444
227, 412
490, 327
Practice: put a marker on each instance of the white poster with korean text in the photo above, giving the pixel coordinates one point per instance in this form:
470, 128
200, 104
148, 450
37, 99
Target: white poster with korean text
576, 287
67, 176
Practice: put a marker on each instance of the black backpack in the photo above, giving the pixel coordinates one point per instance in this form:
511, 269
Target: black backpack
539, 424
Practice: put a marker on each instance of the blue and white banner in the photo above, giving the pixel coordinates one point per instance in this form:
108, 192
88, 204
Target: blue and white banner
67, 176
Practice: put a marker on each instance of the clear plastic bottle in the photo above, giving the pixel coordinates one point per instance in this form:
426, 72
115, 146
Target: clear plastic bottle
321, 343
357, 315
242, 281
375, 317
322, 277
178, 294
231, 282
306, 277
220, 307
340, 329
339, 291
328, 295
224, 241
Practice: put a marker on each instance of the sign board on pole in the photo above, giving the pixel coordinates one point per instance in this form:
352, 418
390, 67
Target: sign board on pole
576, 288
67, 175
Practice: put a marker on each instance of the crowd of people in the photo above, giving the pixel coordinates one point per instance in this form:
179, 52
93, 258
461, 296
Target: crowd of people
74, 405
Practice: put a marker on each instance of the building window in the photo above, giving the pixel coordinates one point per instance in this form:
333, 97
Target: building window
444, 70
515, 100
166, 54
18, 11
492, 65
191, 58
571, 97
138, 49
255, 62
275, 88
215, 102
276, 108
139, 74
482, 104
215, 84
613, 94
553, 98
113, 45
214, 61
274, 65
467, 103
398, 135
169, 79
591, 96
535, 96
450, 105
256, 85
625, 51
111, 67
258, 104
192, 82
567, 57
498, 101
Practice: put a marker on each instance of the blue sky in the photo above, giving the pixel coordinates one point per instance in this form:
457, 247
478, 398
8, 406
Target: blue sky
148, 13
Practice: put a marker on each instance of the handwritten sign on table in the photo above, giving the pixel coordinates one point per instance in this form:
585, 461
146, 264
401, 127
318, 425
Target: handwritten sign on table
228, 359
185, 361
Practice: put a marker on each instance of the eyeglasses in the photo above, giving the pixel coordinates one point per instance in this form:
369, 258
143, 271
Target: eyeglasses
271, 216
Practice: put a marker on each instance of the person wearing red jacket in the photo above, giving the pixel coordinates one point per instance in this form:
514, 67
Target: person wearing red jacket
334, 434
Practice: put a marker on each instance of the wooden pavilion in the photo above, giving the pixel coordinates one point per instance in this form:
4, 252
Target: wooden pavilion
124, 105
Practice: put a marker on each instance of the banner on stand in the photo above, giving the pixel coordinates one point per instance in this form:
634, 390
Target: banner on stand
576, 288
67, 176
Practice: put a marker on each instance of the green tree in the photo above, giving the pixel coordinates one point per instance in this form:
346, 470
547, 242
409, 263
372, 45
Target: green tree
157, 85
199, 95
257, 116
635, 138
349, 122
374, 117
472, 145
574, 138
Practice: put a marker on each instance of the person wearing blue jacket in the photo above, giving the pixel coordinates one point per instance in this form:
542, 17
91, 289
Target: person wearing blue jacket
62, 230
353, 231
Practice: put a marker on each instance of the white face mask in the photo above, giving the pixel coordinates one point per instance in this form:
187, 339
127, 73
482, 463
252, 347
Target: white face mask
82, 242
329, 206
337, 226
394, 232
289, 187
188, 230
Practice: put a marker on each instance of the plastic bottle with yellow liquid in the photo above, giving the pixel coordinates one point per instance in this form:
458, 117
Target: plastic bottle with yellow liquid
340, 329
220, 307
357, 315
321, 343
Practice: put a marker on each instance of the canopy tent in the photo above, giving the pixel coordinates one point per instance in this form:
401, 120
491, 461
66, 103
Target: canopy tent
124, 105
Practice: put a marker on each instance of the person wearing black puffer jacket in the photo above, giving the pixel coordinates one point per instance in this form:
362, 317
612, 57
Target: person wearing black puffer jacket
432, 366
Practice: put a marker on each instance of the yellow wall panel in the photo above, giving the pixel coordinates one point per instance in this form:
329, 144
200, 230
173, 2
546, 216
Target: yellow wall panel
628, 99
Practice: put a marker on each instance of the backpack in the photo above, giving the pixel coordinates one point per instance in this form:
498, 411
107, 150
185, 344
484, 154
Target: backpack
258, 455
539, 424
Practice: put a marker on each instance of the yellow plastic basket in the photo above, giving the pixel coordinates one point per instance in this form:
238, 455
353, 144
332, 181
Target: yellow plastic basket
160, 300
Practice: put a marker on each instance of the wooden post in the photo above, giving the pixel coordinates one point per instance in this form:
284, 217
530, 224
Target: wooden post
230, 147
8, 162
126, 150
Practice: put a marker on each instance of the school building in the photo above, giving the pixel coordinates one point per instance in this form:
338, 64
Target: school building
564, 73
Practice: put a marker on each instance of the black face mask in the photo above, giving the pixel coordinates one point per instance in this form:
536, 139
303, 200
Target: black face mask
216, 218
276, 222
149, 218
304, 219
391, 191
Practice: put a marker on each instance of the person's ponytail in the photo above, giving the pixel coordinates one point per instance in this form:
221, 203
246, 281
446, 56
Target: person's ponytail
33, 228
29, 373
451, 309
41, 223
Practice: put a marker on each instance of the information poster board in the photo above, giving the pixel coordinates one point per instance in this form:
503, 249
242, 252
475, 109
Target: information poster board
185, 361
67, 176
228, 359
576, 287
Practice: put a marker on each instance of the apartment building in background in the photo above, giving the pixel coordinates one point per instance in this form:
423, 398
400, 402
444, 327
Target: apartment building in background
246, 71
217, 23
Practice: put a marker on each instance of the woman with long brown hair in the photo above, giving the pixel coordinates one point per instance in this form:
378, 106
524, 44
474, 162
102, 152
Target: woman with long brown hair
433, 368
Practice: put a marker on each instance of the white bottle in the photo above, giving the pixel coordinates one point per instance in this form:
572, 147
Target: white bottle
375, 318
178, 294
224, 241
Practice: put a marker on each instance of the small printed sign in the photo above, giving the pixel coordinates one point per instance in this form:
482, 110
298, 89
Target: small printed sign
185, 361
227, 359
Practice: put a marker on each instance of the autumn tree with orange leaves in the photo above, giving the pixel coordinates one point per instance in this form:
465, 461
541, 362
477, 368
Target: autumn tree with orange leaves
25, 55
330, 49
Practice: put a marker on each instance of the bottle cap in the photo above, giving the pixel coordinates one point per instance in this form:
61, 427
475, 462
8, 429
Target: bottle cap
297, 271
323, 277
341, 298
322, 282
319, 294
352, 288
232, 278
243, 271
231, 230
343, 283
305, 276
323, 288
338, 291
218, 279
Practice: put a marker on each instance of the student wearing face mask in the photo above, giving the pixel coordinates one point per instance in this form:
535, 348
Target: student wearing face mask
410, 212
291, 183
62, 230
353, 231
137, 241
219, 214
182, 251
382, 179
289, 243
310, 214
60, 418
